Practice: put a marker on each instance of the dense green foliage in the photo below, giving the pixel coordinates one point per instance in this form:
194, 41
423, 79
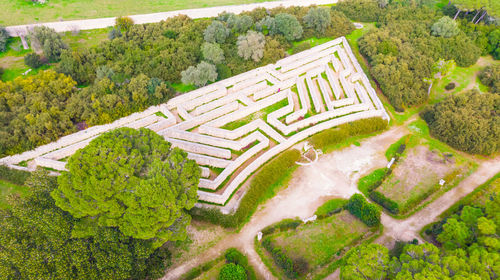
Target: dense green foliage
132, 180
336, 135
3, 39
280, 258
330, 207
490, 76
14, 176
232, 255
49, 41
199, 75
37, 243
469, 122
212, 52
123, 23
231, 271
365, 262
402, 51
445, 27
288, 26
318, 19
251, 45
259, 186
33, 60
363, 210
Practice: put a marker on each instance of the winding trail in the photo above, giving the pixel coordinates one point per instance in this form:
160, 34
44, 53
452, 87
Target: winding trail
333, 175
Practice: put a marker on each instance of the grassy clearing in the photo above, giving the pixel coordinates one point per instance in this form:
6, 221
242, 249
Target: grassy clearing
7, 188
325, 238
182, 88
262, 114
464, 79
14, 12
85, 38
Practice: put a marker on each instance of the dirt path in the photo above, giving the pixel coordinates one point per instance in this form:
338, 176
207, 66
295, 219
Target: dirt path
409, 228
333, 175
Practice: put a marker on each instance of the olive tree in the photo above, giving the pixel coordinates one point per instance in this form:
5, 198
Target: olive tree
200, 74
445, 27
49, 41
216, 32
318, 19
289, 26
132, 180
212, 52
251, 45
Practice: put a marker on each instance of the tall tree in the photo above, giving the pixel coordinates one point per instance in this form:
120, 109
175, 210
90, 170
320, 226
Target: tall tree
216, 32
200, 74
366, 262
251, 45
289, 26
318, 19
132, 180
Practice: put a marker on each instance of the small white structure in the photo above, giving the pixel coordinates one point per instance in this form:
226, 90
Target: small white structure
391, 162
259, 235
441, 182
310, 219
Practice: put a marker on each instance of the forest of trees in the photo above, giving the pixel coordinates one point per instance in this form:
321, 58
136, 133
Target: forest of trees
136, 68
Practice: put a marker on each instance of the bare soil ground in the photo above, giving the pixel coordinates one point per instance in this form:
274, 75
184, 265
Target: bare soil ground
333, 175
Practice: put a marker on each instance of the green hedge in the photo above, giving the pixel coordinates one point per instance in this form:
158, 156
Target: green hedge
232, 255
280, 258
330, 207
265, 177
282, 225
197, 271
336, 135
385, 202
363, 210
14, 176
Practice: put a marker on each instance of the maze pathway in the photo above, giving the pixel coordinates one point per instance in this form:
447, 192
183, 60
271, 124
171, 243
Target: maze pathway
232, 127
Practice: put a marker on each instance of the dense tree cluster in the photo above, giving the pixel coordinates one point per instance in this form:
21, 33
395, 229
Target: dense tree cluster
251, 45
36, 243
469, 122
49, 41
490, 76
469, 249
131, 180
402, 51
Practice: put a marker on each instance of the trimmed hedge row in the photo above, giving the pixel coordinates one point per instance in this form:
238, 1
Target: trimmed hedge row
385, 202
266, 177
363, 210
336, 135
197, 271
330, 208
282, 225
280, 258
14, 176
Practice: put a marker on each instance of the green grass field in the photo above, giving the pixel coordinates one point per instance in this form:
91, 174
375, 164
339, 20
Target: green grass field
14, 12
325, 238
7, 188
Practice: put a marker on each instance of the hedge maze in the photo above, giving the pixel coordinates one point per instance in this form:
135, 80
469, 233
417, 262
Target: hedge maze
232, 127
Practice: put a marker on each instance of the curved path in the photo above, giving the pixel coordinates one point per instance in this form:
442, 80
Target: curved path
333, 175
63, 26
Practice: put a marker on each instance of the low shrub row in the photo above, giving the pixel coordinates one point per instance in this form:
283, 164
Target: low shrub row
363, 210
282, 225
385, 202
330, 207
336, 135
14, 176
280, 258
197, 271
259, 186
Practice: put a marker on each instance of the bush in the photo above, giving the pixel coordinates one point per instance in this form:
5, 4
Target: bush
251, 45
232, 271
280, 258
199, 75
366, 212
385, 202
450, 86
223, 71
330, 207
48, 40
14, 176
33, 60
282, 225
232, 255
212, 52
490, 76
114, 33
359, 10
288, 26
318, 19
123, 23
3, 39
336, 135
301, 47
216, 32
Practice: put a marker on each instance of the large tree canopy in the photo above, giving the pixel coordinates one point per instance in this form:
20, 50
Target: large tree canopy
469, 122
133, 180
36, 243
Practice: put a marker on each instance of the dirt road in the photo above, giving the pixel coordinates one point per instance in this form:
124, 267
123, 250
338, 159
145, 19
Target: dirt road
333, 175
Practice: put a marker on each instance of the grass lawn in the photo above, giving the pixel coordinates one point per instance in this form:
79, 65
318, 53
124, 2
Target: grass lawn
85, 38
7, 188
262, 114
213, 272
325, 238
14, 12
464, 79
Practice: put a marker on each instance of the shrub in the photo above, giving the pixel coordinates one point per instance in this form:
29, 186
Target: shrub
114, 33
385, 202
251, 45
359, 10
445, 27
49, 41
450, 86
490, 76
366, 212
124, 23
232, 271
14, 176
223, 71
232, 255
280, 258
340, 25
336, 135
318, 19
267, 26
282, 225
199, 75
239, 24
212, 52
289, 26
33, 60
171, 34
216, 32
330, 207
301, 47
3, 39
